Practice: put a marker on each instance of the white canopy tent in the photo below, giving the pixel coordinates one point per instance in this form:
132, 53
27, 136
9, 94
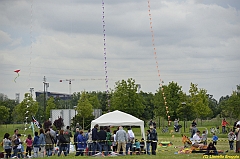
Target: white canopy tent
118, 118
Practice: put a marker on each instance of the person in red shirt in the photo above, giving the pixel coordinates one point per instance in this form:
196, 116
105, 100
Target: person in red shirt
224, 124
29, 142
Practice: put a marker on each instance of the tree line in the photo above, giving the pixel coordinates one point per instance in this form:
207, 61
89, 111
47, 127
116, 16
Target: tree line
196, 103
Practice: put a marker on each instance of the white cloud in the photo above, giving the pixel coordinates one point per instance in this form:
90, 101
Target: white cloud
196, 41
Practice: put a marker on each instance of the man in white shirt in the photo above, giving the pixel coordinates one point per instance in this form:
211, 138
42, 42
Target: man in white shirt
196, 140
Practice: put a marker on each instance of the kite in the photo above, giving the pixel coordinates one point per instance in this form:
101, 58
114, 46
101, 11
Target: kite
36, 122
17, 71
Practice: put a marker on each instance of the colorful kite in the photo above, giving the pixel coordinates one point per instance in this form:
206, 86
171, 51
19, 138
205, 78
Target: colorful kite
17, 71
36, 122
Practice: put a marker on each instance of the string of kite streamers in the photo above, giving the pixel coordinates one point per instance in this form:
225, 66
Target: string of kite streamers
29, 76
105, 55
155, 56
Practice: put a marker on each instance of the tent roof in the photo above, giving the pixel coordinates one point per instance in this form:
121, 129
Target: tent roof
117, 118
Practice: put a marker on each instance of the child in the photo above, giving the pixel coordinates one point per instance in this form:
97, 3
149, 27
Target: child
19, 147
215, 139
29, 142
36, 145
204, 138
231, 138
7, 145
142, 144
211, 149
137, 149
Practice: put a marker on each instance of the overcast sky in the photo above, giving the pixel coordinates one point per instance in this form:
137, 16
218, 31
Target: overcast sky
197, 41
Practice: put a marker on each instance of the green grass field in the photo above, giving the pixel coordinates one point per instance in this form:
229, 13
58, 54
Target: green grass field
168, 152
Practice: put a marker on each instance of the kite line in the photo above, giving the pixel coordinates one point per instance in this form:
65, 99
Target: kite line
105, 55
155, 56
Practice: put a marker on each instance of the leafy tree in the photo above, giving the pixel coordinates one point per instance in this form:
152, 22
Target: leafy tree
50, 105
199, 101
230, 106
26, 109
75, 98
149, 106
84, 107
173, 94
125, 98
213, 105
4, 113
8, 103
93, 99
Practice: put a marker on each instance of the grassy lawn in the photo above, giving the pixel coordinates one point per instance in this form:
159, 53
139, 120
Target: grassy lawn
162, 152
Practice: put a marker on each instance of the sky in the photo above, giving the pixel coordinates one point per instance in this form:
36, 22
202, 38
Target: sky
196, 41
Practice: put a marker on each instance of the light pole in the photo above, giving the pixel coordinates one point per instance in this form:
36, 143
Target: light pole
184, 125
75, 114
45, 86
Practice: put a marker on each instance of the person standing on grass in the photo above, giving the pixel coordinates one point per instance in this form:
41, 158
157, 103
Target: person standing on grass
102, 135
81, 144
19, 147
53, 133
49, 142
14, 137
204, 137
7, 145
95, 139
68, 135
154, 139
237, 133
114, 143
215, 139
130, 141
224, 124
148, 142
42, 142
121, 138
89, 142
36, 145
75, 137
231, 138
62, 143
29, 143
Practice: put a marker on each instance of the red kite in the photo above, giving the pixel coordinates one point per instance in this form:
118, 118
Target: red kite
17, 71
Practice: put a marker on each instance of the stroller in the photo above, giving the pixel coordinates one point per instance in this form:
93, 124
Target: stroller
177, 128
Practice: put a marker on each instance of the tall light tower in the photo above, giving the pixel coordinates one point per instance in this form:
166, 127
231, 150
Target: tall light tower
45, 86
69, 83
31, 91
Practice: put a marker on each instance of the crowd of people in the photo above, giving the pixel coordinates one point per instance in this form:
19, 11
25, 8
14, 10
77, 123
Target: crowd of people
101, 140
104, 141
41, 144
200, 140
97, 140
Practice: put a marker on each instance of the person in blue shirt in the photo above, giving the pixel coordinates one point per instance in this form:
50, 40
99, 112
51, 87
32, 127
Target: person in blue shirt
36, 145
137, 147
81, 144
42, 142
215, 139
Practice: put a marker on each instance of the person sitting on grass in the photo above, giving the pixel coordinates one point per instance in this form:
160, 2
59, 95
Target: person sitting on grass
211, 149
137, 147
196, 140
